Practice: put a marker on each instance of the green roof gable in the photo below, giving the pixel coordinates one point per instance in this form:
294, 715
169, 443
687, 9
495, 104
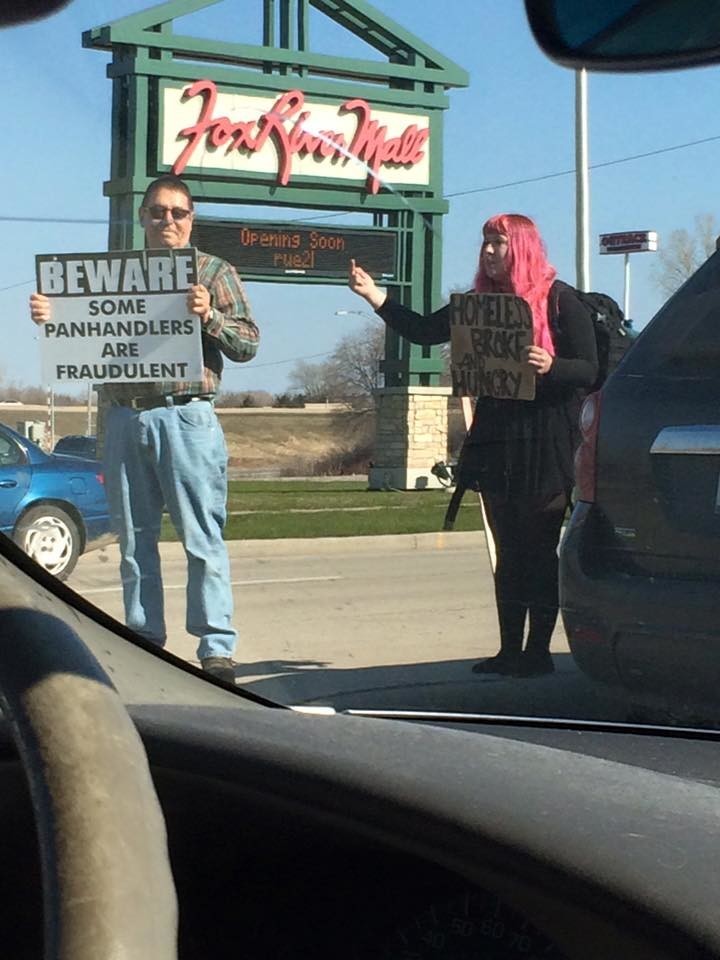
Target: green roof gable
409, 59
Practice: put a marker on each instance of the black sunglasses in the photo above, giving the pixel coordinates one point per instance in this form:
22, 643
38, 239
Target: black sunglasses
159, 213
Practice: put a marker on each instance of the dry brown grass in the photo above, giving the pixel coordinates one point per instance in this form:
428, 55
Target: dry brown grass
297, 443
289, 442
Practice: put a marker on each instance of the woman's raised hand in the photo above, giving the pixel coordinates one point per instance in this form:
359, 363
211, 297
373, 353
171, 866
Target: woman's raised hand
362, 283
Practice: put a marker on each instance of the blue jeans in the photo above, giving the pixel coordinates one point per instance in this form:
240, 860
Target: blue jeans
172, 457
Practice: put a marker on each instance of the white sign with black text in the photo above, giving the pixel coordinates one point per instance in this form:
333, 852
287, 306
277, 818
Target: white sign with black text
119, 316
631, 241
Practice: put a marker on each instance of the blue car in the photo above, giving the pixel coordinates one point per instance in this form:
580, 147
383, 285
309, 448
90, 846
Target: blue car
54, 507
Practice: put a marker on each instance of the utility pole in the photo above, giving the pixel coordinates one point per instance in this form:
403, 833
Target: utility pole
582, 184
88, 430
52, 418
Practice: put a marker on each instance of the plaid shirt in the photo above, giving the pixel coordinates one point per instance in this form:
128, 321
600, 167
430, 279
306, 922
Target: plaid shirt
230, 331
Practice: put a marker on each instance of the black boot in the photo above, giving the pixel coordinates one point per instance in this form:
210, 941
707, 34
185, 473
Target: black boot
503, 663
536, 660
511, 617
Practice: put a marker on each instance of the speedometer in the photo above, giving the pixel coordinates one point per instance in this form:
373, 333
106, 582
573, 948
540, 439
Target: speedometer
474, 926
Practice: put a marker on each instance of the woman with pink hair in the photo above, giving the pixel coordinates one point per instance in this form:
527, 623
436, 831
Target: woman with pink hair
518, 453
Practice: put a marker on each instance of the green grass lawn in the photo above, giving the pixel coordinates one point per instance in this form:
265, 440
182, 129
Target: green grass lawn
276, 509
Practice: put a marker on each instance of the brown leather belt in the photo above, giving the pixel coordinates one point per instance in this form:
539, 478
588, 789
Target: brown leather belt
150, 403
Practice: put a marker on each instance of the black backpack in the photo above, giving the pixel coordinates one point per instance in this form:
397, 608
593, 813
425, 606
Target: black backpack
613, 334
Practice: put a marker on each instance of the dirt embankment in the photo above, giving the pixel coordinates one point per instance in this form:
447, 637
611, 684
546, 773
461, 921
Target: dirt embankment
302, 444
285, 441
290, 442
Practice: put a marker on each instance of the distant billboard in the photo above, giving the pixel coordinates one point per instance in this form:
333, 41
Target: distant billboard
631, 241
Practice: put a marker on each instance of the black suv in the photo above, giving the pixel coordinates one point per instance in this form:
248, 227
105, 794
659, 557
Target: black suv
77, 446
640, 563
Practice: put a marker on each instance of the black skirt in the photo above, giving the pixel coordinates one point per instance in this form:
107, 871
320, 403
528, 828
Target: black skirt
522, 448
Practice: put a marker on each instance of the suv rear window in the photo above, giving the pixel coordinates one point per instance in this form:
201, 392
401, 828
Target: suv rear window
683, 339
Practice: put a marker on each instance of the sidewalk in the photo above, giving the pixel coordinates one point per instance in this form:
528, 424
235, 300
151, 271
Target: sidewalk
322, 546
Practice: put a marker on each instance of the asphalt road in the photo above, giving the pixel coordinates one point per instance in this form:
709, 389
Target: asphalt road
366, 622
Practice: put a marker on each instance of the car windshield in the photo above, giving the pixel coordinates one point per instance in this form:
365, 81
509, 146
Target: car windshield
305, 285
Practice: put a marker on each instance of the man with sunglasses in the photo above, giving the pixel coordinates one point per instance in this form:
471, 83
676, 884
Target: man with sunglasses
163, 447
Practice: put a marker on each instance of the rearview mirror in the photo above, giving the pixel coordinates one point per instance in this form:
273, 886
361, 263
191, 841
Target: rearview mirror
627, 34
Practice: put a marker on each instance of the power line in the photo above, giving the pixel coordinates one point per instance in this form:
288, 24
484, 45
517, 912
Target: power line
593, 166
457, 193
276, 363
52, 220
104, 220
12, 286
514, 183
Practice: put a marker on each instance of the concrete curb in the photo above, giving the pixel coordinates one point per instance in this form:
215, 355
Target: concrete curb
237, 473
314, 546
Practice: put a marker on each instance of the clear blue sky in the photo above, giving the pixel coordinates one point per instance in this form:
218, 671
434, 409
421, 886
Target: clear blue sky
515, 121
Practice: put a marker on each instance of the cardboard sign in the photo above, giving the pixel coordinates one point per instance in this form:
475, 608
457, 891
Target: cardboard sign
119, 317
488, 336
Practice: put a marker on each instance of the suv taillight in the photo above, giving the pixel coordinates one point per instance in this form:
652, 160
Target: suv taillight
586, 454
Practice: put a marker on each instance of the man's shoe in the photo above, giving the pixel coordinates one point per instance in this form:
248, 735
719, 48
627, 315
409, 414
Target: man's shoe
506, 664
221, 667
535, 663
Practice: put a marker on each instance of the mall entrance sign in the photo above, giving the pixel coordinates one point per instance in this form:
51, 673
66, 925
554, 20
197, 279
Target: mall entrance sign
276, 125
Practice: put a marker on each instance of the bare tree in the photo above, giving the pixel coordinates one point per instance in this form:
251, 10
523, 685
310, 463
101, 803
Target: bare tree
356, 360
683, 252
351, 372
244, 398
314, 380
37, 396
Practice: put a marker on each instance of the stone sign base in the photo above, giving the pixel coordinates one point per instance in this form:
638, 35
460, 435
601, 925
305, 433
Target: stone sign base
411, 435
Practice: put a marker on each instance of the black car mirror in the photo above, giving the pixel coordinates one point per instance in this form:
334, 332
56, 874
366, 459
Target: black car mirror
23, 11
627, 34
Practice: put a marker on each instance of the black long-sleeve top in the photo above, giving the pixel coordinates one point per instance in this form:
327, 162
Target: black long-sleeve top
522, 448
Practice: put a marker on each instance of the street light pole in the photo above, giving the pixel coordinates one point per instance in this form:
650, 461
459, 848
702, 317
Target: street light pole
582, 184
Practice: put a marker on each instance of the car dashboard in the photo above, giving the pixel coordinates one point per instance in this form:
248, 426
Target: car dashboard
304, 837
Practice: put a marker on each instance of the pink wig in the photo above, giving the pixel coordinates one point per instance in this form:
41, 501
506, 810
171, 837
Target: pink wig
529, 275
